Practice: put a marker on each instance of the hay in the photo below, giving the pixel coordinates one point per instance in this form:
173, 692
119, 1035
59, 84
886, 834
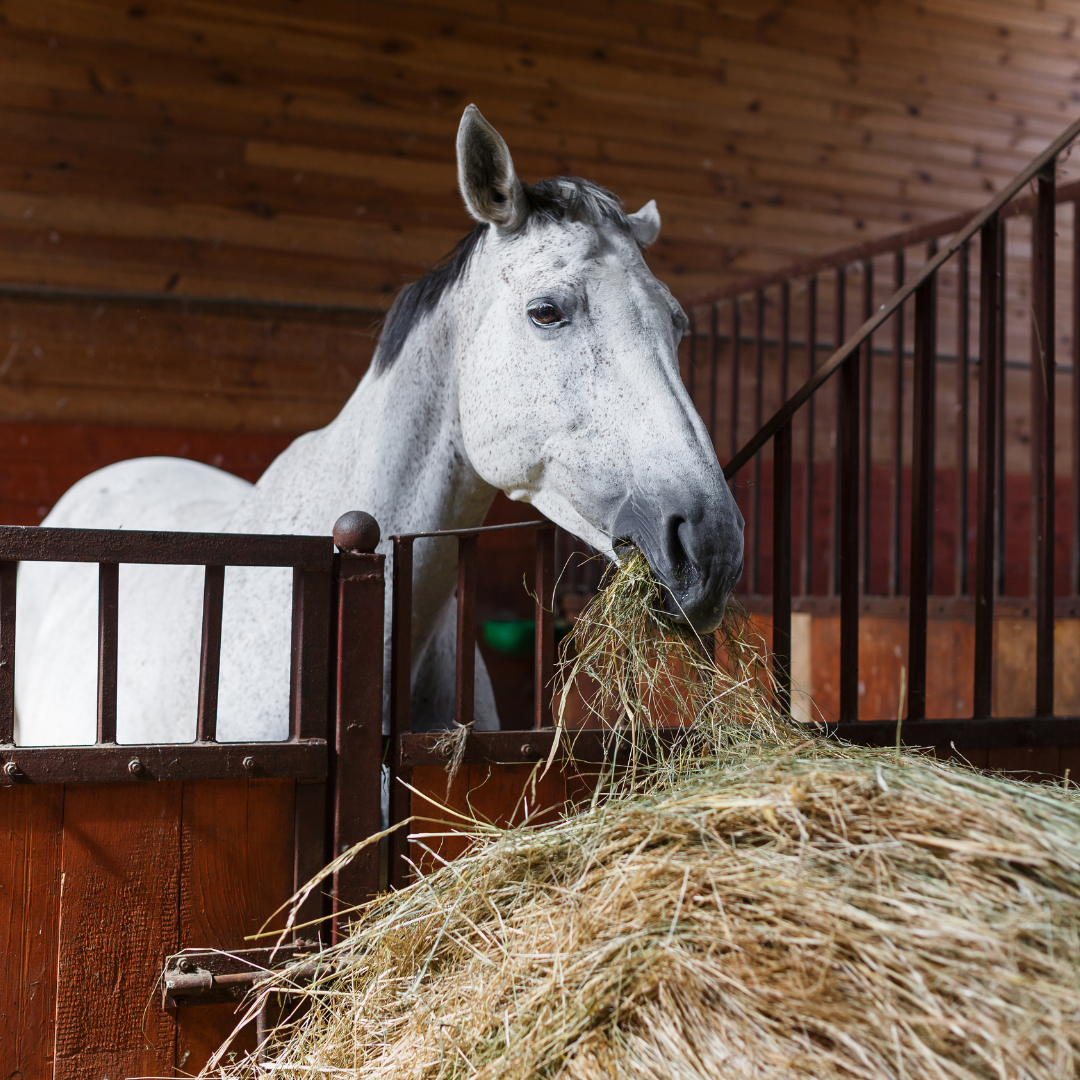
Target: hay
754, 904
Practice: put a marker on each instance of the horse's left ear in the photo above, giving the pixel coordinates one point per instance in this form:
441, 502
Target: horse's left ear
645, 224
489, 185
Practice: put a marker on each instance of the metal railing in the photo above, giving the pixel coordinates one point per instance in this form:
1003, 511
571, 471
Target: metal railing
335, 710
853, 527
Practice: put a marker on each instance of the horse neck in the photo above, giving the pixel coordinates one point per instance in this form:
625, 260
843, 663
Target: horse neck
396, 451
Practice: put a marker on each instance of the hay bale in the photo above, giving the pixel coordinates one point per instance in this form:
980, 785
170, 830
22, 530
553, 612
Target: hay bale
758, 904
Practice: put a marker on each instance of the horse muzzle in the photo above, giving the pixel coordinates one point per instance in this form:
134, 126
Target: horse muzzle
695, 549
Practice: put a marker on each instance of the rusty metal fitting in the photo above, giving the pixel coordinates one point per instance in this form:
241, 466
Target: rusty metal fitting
135, 766
249, 763
11, 769
356, 532
527, 749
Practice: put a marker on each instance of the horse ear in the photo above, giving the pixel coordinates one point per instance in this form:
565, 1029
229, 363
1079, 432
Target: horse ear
645, 224
489, 185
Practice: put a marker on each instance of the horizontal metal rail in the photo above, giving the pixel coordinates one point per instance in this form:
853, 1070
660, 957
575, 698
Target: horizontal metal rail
36, 543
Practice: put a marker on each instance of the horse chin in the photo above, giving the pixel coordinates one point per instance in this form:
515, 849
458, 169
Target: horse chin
702, 616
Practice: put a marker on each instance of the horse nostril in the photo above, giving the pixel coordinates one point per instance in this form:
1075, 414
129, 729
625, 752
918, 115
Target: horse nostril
683, 571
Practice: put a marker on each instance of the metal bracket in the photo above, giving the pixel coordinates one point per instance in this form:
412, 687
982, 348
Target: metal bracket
213, 976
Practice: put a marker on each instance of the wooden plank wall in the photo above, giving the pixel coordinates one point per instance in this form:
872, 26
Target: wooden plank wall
98, 883
266, 149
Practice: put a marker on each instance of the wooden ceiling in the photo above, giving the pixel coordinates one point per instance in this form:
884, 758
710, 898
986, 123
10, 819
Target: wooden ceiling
302, 150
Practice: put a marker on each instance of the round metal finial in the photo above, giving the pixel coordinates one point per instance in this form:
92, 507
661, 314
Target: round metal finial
356, 532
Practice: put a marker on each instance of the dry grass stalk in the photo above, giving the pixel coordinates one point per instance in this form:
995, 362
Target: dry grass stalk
755, 904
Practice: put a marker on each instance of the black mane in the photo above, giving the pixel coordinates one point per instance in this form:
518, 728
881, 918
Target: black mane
565, 198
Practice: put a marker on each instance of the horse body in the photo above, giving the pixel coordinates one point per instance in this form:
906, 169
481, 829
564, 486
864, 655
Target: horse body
539, 360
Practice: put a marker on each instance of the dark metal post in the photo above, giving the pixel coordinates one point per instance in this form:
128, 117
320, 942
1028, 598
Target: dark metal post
897, 432
310, 652
465, 687
781, 583
811, 364
1075, 567
963, 315
210, 653
759, 389
714, 363
310, 720
357, 745
838, 337
691, 365
847, 498
868, 423
1043, 375
400, 700
999, 525
922, 464
986, 482
736, 357
108, 614
544, 657
7, 652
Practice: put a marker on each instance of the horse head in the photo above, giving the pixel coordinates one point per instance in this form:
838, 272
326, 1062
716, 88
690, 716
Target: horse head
567, 376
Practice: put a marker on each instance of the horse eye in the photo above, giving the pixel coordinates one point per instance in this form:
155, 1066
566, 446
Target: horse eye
545, 314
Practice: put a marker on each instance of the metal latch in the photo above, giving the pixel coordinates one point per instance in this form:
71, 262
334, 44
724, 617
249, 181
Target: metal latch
210, 976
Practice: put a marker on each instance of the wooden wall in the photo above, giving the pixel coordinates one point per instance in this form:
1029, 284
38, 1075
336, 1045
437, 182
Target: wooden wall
302, 150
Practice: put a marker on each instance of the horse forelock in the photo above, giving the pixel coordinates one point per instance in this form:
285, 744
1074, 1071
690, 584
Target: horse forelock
561, 199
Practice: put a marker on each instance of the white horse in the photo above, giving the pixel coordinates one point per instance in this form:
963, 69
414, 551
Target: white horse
538, 359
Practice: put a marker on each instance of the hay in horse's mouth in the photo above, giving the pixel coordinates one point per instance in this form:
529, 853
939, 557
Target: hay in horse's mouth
753, 902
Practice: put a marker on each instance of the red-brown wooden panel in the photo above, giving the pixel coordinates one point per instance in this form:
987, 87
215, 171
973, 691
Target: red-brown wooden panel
31, 820
1026, 762
492, 793
237, 845
118, 921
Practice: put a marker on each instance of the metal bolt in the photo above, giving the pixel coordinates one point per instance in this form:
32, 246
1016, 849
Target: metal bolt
249, 764
526, 749
185, 965
135, 766
12, 769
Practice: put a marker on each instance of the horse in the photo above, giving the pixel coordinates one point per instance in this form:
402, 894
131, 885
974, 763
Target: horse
539, 358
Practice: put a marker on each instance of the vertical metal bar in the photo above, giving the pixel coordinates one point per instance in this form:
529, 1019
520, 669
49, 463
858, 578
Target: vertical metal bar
544, 656
811, 365
310, 684
1074, 576
108, 614
931, 251
357, 743
714, 364
7, 652
736, 357
963, 316
759, 389
310, 652
210, 653
1043, 376
838, 337
999, 539
400, 701
868, 423
898, 431
985, 481
847, 448
781, 583
691, 367
922, 463
465, 685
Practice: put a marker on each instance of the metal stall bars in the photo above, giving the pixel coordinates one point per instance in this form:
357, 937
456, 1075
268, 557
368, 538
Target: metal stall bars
401, 655
981, 730
335, 710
